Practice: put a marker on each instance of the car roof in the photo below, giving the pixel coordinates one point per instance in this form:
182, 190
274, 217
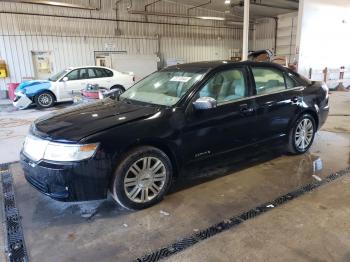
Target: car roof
78, 67
221, 63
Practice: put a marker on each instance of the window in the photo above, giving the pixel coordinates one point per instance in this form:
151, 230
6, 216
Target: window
108, 73
91, 73
83, 73
73, 75
290, 83
164, 87
268, 80
99, 72
225, 86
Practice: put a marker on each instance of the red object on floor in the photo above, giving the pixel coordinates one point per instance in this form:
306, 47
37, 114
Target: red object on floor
11, 87
90, 94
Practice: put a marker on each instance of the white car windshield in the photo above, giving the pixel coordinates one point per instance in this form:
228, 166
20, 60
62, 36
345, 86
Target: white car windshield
164, 87
58, 75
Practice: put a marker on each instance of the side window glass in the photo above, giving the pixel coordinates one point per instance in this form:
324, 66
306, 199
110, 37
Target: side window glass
109, 73
225, 86
84, 73
73, 75
268, 80
290, 83
91, 73
99, 72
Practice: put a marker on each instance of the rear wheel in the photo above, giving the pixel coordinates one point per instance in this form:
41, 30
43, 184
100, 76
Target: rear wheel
142, 178
44, 100
118, 88
302, 135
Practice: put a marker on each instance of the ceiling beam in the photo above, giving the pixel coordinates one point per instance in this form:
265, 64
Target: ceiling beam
52, 3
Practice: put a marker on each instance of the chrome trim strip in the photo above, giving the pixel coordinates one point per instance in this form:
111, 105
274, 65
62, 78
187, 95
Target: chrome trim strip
256, 96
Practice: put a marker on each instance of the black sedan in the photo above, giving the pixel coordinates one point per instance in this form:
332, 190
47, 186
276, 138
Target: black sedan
135, 144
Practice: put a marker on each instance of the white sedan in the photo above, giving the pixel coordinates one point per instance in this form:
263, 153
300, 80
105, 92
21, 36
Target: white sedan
61, 86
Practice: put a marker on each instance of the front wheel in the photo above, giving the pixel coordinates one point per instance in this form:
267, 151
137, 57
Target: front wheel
302, 135
142, 178
44, 100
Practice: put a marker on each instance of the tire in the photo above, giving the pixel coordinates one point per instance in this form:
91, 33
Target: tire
134, 186
301, 135
44, 100
119, 88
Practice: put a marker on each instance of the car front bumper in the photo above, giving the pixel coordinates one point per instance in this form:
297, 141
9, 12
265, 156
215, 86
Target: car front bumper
22, 101
68, 181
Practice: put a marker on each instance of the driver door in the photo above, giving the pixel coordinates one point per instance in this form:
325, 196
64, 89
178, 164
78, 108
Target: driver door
231, 125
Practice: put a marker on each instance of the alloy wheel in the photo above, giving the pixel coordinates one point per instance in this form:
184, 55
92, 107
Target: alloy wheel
145, 179
45, 99
304, 134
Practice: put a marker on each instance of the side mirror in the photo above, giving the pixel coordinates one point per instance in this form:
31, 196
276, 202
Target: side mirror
65, 79
204, 103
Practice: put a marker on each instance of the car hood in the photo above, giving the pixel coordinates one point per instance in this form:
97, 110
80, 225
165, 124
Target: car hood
78, 122
33, 86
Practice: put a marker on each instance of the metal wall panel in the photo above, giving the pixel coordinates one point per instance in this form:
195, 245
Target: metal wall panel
73, 41
265, 34
286, 35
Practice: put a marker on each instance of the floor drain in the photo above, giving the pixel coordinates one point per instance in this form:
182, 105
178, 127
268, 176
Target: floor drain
235, 221
16, 249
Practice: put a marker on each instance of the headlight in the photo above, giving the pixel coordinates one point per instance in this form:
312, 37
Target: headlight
66, 152
38, 149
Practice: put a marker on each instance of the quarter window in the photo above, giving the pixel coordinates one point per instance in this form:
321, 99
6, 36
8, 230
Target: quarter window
225, 86
109, 73
268, 80
290, 83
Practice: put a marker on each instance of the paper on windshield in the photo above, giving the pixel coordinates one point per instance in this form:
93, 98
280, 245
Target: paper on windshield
183, 79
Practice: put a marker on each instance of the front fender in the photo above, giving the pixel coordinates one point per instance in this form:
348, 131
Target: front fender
35, 89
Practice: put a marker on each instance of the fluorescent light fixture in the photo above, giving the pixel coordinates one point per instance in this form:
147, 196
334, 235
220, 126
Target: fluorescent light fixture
211, 18
227, 2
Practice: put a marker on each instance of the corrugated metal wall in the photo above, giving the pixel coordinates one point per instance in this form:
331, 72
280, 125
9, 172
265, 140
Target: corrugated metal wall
265, 34
73, 41
286, 35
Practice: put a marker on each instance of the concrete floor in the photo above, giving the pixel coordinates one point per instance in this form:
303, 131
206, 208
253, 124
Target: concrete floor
314, 227
14, 125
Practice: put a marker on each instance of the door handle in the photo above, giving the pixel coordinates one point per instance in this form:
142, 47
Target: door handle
295, 99
245, 109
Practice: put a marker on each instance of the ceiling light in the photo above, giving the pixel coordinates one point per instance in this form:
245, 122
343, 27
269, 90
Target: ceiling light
227, 2
211, 18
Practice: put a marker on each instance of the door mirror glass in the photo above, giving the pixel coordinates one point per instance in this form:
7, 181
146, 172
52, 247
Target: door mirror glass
65, 79
204, 103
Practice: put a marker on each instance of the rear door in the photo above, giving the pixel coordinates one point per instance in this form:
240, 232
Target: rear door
275, 104
103, 77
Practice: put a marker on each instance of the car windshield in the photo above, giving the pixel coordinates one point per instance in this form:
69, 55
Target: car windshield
165, 87
58, 75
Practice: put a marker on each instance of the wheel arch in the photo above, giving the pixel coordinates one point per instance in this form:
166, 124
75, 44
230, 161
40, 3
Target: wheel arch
313, 114
307, 111
159, 144
117, 86
46, 91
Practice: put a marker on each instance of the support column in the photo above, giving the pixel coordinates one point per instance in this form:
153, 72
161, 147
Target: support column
246, 30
